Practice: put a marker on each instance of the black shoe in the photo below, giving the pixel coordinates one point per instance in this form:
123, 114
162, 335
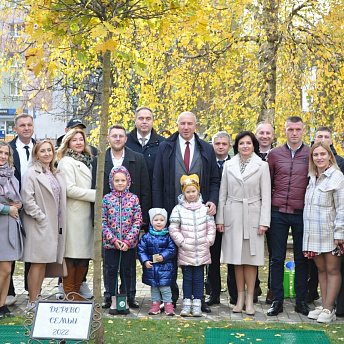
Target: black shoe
134, 304
269, 297
207, 287
106, 304
312, 297
257, 292
205, 308
275, 309
233, 300
113, 311
213, 301
302, 307
125, 311
5, 312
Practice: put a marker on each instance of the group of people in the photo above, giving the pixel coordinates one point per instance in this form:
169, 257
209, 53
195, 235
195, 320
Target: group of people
196, 206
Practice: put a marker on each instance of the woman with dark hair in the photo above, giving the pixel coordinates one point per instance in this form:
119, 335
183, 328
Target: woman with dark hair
323, 218
74, 159
243, 215
44, 218
10, 233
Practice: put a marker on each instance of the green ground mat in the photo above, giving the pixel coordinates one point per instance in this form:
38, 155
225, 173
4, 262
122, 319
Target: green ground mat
14, 334
229, 336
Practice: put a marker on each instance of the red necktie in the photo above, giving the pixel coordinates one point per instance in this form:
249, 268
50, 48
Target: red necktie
187, 156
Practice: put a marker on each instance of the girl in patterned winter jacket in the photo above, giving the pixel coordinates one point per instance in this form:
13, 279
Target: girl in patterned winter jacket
193, 231
121, 221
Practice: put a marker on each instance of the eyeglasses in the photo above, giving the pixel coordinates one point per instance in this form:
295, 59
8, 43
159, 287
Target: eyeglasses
117, 137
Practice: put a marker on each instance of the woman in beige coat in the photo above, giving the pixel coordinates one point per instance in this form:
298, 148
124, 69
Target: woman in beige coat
74, 159
244, 215
44, 219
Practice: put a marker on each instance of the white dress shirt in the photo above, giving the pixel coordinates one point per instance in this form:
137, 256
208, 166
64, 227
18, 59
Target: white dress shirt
146, 137
24, 163
182, 144
117, 162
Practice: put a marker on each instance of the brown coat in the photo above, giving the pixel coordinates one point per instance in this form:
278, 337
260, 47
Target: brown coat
244, 205
43, 242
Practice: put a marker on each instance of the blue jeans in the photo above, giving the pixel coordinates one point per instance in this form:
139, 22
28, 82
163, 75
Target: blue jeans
111, 261
193, 279
165, 293
278, 232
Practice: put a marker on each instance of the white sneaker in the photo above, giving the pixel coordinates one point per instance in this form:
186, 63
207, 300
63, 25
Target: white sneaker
10, 300
197, 308
85, 291
326, 316
31, 307
186, 308
314, 314
60, 293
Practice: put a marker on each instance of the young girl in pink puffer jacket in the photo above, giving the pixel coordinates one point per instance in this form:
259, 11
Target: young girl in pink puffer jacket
193, 231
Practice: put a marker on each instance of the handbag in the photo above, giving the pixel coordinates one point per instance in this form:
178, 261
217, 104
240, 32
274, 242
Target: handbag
120, 299
56, 269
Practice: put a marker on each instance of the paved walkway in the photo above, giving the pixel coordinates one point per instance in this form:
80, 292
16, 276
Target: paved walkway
219, 312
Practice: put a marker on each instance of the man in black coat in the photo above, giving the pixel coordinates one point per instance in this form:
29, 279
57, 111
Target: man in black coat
170, 165
21, 146
265, 135
144, 139
119, 155
222, 144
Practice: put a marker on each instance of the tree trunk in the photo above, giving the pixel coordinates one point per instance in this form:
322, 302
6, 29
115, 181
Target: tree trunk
104, 117
267, 60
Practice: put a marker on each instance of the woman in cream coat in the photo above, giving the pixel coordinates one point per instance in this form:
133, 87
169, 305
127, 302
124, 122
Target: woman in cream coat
44, 219
244, 215
74, 159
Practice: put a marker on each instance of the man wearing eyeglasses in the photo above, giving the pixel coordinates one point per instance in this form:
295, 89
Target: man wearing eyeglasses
120, 155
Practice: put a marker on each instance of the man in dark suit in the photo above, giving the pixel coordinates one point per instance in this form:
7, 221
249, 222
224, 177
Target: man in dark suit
222, 144
144, 139
265, 135
21, 146
185, 153
119, 155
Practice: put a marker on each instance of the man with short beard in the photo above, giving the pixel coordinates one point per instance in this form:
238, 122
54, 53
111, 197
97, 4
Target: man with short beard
119, 155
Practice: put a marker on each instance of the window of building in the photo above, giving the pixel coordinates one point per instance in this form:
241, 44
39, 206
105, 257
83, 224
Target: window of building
15, 88
16, 30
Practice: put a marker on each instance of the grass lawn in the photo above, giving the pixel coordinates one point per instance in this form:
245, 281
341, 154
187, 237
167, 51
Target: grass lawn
174, 330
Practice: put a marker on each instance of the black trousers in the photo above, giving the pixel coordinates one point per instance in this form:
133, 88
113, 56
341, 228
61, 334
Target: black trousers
214, 274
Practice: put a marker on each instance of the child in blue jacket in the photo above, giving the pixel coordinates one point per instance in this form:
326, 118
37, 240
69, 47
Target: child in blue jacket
156, 251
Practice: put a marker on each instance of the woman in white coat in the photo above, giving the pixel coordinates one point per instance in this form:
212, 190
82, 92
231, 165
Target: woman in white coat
243, 215
74, 159
44, 219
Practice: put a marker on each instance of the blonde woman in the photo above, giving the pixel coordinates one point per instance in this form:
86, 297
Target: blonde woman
323, 218
74, 160
44, 219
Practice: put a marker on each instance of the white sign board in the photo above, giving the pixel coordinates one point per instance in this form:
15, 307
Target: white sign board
62, 320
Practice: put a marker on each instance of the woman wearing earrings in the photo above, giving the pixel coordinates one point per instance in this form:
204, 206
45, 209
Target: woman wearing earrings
44, 199
74, 160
